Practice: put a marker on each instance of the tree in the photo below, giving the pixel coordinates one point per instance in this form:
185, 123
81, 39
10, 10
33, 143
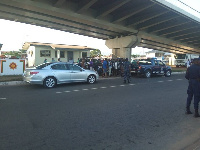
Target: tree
14, 53
135, 56
95, 53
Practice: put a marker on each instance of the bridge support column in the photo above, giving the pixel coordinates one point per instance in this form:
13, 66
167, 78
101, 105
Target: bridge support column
121, 47
58, 54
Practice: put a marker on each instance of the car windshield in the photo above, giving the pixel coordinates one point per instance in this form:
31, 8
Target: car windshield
42, 65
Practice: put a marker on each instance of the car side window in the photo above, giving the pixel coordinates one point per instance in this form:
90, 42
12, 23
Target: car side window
59, 67
161, 63
67, 67
76, 67
70, 67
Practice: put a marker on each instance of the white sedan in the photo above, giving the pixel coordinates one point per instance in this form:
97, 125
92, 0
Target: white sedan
51, 74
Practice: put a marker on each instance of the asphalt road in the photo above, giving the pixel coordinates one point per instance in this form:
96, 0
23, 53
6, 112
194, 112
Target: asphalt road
148, 114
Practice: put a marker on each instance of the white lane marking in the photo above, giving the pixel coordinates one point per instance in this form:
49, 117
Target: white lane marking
3, 98
122, 85
112, 86
103, 87
75, 90
169, 80
58, 92
85, 89
67, 91
179, 79
131, 84
160, 81
93, 88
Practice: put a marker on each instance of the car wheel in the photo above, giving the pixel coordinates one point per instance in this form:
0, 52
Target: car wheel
147, 74
50, 82
91, 79
168, 73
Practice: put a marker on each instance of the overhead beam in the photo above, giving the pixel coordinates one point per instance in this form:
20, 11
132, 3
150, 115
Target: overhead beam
107, 9
85, 4
178, 30
187, 38
167, 26
188, 33
156, 22
128, 13
146, 17
59, 3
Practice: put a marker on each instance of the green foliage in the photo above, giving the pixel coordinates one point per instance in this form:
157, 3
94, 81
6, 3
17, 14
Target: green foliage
14, 53
95, 53
135, 56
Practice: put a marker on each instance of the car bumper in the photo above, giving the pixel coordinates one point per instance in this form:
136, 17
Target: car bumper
32, 81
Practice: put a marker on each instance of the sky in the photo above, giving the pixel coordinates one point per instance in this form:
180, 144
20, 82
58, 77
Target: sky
14, 34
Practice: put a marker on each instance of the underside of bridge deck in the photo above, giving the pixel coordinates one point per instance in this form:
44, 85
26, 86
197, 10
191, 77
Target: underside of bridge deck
158, 26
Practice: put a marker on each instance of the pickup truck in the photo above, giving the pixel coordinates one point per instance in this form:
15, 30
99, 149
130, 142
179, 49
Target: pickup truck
149, 67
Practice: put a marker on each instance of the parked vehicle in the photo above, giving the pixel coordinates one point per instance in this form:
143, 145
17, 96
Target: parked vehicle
149, 67
51, 74
181, 59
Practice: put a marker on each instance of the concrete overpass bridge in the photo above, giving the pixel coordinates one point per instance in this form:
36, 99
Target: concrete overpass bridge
124, 24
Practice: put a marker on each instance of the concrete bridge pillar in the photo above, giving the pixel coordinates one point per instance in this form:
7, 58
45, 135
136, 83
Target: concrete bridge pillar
58, 54
121, 47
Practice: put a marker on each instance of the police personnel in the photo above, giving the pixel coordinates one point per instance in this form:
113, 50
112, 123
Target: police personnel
193, 75
127, 69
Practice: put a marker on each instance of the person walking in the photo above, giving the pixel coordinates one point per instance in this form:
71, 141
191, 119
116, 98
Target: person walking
193, 75
126, 70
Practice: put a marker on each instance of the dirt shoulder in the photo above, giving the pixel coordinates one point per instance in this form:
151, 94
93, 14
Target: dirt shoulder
7, 78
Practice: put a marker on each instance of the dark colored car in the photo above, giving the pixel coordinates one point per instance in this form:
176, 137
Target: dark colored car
151, 67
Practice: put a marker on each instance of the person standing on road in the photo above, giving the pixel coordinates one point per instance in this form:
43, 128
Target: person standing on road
91, 64
188, 63
109, 67
105, 67
127, 69
193, 75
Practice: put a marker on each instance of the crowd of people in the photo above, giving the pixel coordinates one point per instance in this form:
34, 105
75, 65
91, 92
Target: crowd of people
108, 67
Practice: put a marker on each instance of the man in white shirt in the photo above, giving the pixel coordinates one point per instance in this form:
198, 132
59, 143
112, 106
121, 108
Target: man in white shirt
188, 63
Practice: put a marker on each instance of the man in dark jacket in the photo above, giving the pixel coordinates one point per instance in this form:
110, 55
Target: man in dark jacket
193, 75
126, 70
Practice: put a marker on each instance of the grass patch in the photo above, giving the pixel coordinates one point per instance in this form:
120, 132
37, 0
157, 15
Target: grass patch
6, 78
180, 69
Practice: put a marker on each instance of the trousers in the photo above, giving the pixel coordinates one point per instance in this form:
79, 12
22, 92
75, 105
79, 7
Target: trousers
194, 89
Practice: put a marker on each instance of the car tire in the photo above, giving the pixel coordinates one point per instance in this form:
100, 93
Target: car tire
168, 73
91, 79
147, 74
49, 82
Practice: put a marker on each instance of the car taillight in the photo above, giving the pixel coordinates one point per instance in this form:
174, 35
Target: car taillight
32, 73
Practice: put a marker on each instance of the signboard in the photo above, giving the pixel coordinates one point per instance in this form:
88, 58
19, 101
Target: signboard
12, 66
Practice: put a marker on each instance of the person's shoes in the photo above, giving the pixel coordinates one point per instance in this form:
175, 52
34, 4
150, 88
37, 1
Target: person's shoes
188, 111
124, 81
196, 113
129, 81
